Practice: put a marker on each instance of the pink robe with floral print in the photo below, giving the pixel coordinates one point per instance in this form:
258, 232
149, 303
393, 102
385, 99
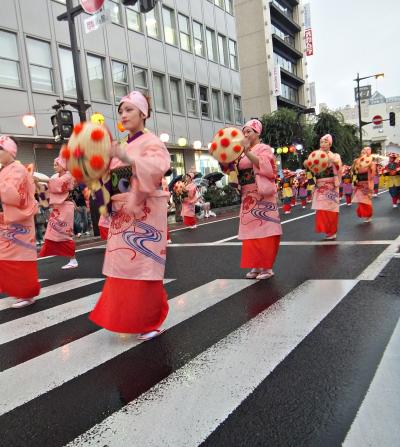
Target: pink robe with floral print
188, 204
17, 227
259, 215
363, 189
137, 239
61, 222
326, 192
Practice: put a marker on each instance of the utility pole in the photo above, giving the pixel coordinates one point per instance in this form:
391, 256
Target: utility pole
359, 108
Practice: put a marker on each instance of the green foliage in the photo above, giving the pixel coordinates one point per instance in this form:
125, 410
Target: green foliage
280, 127
220, 197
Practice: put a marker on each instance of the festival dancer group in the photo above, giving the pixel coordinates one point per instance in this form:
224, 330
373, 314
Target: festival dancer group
133, 299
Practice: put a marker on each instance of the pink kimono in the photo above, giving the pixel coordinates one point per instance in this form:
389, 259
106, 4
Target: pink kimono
18, 266
188, 205
260, 226
59, 231
133, 299
363, 190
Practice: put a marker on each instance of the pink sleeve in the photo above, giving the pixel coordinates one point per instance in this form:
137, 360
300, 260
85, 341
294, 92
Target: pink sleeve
267, 163
59, 185
192, 193
14, 191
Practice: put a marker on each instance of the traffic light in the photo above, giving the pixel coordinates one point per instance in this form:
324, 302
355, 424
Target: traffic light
63, 124
145, 5
392, 118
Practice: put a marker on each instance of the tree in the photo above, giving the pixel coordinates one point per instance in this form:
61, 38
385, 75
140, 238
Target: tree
280, 127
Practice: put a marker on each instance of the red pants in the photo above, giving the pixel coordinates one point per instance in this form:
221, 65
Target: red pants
286, 207
364, 210
61, 248
103, 233
348, 198
293, 201
189, 221
326, 222
260, 253
303, 202
19, 279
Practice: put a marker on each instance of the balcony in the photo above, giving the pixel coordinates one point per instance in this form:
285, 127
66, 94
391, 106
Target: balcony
285, 17
284, 102
286, 46
291, 77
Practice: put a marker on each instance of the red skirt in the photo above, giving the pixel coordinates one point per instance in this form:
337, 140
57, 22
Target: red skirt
364, 210
326, 222
61, 248
189, 221
260, 253
19, 279
131, 306
103, 233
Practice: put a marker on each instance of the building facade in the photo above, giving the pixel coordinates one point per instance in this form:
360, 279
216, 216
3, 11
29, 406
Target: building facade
271, 54
388, 137
183, 53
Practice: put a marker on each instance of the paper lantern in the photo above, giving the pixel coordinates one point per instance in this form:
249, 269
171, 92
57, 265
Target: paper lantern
182, 141
121, 127
226, 146
285, 150
279, 150
29, 121
292, 149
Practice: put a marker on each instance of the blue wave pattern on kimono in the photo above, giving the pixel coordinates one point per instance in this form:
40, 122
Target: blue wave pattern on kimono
136, 240
10, 233
262, 210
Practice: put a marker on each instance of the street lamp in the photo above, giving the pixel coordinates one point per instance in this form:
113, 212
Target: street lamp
358, 79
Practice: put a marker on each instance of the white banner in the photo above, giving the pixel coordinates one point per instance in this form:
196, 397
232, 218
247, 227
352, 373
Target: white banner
277, 80
95, 21
307, 16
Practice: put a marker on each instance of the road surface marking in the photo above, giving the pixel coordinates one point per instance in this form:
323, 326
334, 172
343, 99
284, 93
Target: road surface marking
290, 243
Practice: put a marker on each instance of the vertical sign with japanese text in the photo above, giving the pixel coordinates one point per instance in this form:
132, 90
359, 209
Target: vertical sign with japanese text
277, 80
307, 30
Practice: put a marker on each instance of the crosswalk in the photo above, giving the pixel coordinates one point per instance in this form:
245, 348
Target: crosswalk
221, 348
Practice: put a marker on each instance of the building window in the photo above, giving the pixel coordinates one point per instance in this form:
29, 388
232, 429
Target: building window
134, 18
219, 3
285, 63
176, 96
140, 80
9, 60
120, 80
233, 54
159, 92
169, 25
191, 100
216, 104
198, 36
152, 23
211, 45
40, 65
67, 72
237, 105
115, 11
228, 107
97, 86
223, 50
204, 104
288, 38
289, 93
287, 11
184, 32
229, 6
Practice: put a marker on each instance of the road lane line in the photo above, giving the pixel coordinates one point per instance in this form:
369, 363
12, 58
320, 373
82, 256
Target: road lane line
5, 303
50, 370
50, 317
211, 385
377, 420
287, 243
372, 270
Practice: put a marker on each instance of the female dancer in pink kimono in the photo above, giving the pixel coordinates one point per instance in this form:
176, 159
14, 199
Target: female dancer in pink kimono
58, 237
188, 205
260, 227
364, 185
133, 299
326, 194
18, 255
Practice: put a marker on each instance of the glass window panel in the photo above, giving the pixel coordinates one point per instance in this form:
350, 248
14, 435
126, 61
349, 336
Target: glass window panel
223, 51
219, 3
39, 52
96, 77
169, 26
67, 72
233, 54
152, 26
120, 78
159, 92
191, 100
228, 107
41, 78
203, 93
9, 73
229, 6
140, 79
184, 32
216, 103
211, 45
238, 109
115, 11
176, 96
8, 46
198, 38
134, 20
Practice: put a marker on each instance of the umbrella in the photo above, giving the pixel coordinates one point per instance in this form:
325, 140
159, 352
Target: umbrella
198, 175
174, 180
201, 182
214, 176
41, 176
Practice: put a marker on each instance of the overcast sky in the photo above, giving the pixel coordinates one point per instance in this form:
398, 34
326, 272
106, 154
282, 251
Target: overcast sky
353, 36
